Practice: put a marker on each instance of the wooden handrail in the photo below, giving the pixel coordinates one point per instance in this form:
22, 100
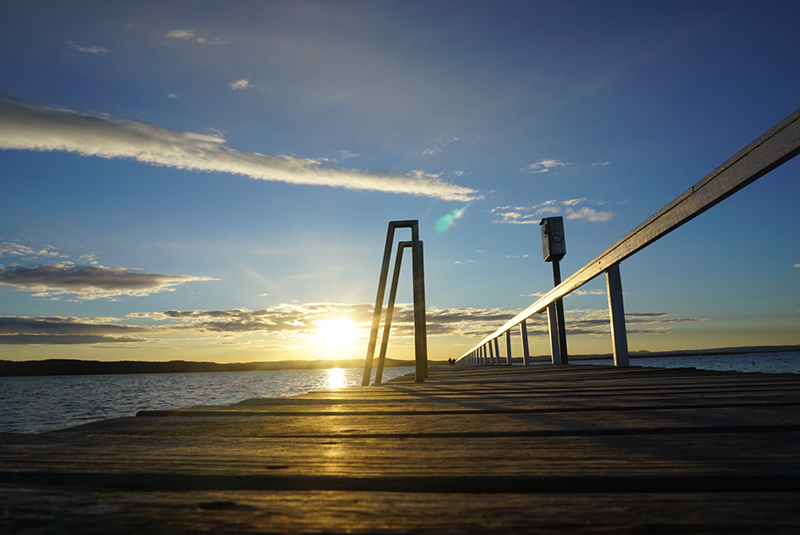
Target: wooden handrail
777, 146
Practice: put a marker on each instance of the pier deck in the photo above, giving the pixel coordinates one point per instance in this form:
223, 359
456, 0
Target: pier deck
540, 449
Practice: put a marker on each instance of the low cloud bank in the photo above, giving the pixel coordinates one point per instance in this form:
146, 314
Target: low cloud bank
89, 282
25, 126
297, 323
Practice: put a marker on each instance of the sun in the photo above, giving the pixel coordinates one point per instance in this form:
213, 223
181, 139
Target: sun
336, 333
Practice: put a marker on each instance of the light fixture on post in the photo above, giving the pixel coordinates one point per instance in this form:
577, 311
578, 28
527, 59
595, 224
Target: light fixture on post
554, 247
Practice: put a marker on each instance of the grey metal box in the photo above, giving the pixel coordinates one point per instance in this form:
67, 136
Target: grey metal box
554, 245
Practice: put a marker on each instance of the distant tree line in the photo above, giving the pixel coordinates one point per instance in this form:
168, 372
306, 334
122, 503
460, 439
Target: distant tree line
10, 368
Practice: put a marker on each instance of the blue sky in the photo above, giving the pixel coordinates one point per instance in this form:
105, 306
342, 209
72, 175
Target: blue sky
213, 181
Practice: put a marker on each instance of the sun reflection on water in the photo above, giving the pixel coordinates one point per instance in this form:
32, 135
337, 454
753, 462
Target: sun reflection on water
336, 378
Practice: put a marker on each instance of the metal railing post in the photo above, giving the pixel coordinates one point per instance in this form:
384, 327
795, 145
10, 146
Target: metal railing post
509, 360
387, 323
497, 350
552, 325
526, 354
420, 346
376, 315
616, 310
491, 354
423, 323
420, 334
562, 328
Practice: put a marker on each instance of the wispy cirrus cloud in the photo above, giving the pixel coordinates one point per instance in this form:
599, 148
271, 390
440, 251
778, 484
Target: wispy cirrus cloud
89, 282
25, 126
96, 50
439, 146
244, 83
572, 209
190, 35
543, 166
19, 250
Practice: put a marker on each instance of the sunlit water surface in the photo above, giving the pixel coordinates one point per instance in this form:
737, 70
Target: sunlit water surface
37, 404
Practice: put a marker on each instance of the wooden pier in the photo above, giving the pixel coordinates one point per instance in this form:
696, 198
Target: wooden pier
540, 449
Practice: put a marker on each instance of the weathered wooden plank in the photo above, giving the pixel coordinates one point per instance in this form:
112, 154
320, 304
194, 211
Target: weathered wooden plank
537, 439
46, 511
653, 453
440, 423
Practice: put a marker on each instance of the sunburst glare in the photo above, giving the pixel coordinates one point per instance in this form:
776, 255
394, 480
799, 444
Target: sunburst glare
336, 333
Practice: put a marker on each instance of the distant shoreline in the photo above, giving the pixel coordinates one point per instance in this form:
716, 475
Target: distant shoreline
25, 368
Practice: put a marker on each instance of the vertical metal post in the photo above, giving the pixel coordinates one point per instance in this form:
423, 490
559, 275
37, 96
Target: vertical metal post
376, 315
509, 360
552, 324
420, 338
424, 322
497, 350
526, 354
616, 310
491, 354
387, 323
420, 345
562, 330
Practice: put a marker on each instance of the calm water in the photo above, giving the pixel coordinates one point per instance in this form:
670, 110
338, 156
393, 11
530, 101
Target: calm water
37, 404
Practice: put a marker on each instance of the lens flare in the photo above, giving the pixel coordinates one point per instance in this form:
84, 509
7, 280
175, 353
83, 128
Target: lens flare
448, 221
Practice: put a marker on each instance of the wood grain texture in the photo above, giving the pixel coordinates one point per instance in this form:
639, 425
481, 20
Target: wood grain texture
538, 449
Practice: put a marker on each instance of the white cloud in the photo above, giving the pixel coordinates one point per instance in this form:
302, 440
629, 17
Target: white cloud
172, 95
96, 50
189, 35
183, 35
345, 154
19, 250
543, 166
26, 126
797, 265
439, 147
590, 214
244, 83
601, 164
531, 215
